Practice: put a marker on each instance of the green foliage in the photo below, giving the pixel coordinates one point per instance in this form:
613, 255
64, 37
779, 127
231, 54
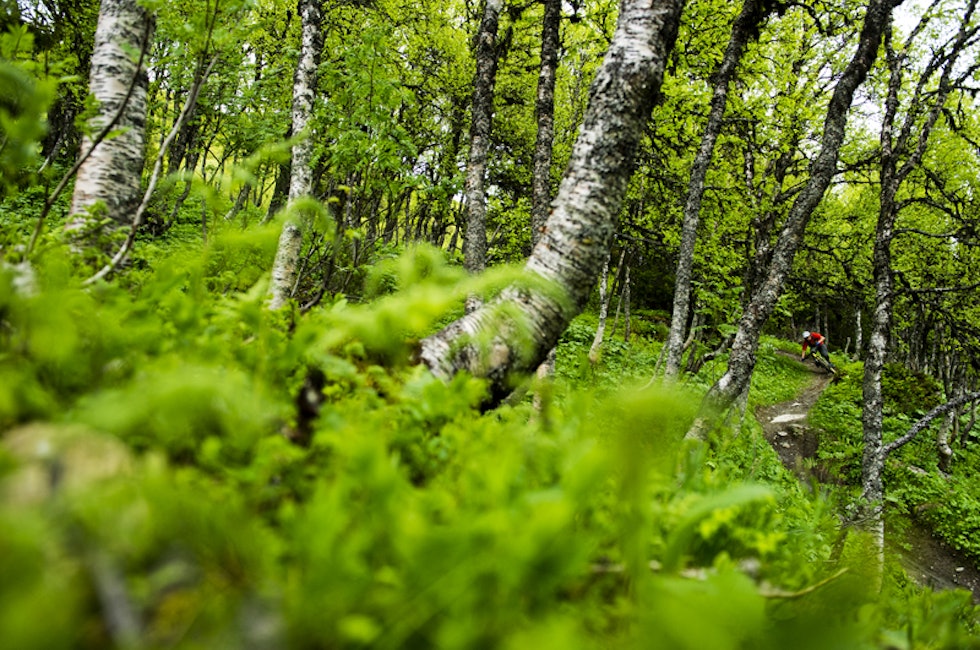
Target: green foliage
777, 377
25, 102
156, 466
651, 323
915, 488
37, 610
945, 503
907, 392
838, 416
410, 519
167, 480
620, 362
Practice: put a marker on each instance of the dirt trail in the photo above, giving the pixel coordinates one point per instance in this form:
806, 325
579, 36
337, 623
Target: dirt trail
927, 559
786, 428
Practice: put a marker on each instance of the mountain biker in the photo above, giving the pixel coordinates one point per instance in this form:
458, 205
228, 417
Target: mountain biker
818, 343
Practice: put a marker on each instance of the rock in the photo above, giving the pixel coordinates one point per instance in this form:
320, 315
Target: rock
59, 458
788, 417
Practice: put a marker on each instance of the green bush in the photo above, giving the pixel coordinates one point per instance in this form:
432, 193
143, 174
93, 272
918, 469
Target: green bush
158, 467
907, 392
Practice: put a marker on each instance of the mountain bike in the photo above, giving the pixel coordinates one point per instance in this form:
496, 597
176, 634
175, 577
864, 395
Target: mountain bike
821, 362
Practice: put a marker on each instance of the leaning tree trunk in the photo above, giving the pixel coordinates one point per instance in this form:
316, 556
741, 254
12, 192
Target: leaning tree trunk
111, 173
747, 23
897, 142
515, 332
284, 269
475, 239
741, 361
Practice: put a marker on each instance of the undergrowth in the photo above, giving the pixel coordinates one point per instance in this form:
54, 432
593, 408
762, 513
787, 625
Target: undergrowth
161, 486
914, 485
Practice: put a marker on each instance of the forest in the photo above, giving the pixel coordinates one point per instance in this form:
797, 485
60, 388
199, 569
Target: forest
479, 324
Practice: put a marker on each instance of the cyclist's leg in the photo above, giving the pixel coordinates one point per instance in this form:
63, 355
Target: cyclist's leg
822, 348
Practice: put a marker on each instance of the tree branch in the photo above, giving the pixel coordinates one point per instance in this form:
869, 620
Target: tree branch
924, 422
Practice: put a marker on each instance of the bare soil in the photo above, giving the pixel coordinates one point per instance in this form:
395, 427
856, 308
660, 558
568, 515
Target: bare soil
927, 559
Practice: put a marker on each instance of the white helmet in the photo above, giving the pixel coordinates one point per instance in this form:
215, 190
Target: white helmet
806, 334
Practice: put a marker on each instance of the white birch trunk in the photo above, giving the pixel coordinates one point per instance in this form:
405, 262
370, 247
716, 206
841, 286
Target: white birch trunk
577, 235
286, 264
603, 312
111, 173
627, 322
942, 441
895, 145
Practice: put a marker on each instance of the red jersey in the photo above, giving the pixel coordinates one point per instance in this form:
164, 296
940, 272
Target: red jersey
815, 338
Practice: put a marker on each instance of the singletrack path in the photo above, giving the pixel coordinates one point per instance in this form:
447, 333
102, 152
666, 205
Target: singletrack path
927, 559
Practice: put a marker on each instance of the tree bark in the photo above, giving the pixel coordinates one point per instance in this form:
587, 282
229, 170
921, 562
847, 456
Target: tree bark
544, 148
545, 113
111, 173
923, 422
627, 319
481, 121
284, 268
747, 23
137, 218
741, 361
942, 440
578, 233
239, 201
858, 331
603, 312
280, 188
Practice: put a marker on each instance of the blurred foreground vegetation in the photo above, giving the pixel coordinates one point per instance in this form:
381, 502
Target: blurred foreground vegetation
160, 486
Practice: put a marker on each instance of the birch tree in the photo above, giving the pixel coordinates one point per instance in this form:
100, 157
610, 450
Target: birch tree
603, 312
515, 332
746, 24
284, 269
110, 172
903, 143
475, 239
822, 170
